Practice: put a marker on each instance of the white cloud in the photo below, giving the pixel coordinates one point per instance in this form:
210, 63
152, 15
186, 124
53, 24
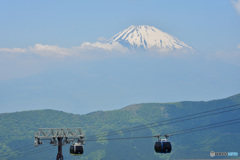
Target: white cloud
87, 50
104, 46
43, 50
13, 50
56, 51
49, 50
236, 4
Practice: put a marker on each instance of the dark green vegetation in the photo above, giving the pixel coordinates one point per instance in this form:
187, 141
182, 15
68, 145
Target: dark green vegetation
17, 131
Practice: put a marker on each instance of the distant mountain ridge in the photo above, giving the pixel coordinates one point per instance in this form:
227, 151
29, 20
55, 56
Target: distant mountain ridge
147, 38
17, 130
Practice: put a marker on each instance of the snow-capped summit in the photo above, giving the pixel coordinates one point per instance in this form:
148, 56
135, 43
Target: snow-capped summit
147, 37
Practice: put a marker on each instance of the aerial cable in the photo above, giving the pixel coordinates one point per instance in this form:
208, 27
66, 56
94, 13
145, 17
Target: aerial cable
205, 128
121, 138
166, 120
20, 148
28, 153
27, 147
141, 127
6, 155
195, 129
22, 154
37, 152
186, 130
145, 127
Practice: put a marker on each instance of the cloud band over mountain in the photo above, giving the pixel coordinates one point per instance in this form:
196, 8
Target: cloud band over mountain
134, 38
55, 50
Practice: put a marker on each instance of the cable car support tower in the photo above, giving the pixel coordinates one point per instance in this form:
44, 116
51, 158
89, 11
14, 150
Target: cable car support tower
59, 137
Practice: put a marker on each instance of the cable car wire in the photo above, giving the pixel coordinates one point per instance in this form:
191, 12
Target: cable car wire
126, 129
181, 120
121, 138
195, 129
20, 148
27, 147
30, 149
29, 153
173, 133
205, 128
36, 152
141, 127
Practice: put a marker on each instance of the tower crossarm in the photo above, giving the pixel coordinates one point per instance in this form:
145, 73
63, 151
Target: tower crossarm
59, 132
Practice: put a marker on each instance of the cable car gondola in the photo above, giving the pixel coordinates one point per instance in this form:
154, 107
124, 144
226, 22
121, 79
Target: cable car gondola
76, 149
162, 145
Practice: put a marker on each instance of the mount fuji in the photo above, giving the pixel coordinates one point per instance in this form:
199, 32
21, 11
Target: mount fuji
147, 38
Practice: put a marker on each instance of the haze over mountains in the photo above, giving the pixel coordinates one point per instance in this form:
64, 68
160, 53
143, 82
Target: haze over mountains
93, 77
147, 38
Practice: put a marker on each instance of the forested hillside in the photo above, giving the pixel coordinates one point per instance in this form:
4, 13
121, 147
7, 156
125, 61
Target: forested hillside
17, 131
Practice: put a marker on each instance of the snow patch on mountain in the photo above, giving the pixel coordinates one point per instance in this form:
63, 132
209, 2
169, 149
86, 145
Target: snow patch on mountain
147, 38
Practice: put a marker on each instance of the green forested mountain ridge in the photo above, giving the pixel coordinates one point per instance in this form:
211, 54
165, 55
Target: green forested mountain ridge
17, 131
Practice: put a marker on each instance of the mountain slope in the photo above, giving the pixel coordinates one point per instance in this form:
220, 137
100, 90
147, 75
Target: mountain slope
17, 130
147, 37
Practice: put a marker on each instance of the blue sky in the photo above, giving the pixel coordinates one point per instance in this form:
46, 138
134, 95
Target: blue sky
25, 23
44, 64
